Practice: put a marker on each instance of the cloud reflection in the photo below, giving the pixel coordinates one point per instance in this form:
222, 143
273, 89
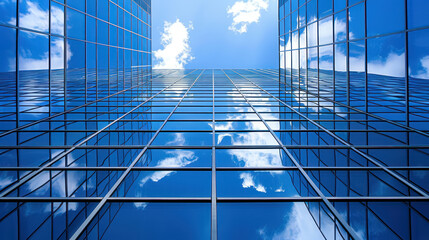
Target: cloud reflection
300, 225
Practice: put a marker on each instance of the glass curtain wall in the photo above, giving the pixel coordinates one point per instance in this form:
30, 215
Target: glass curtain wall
353, 73
68, 70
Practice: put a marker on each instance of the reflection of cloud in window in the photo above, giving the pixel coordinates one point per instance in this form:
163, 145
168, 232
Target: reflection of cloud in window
179, 158
27, 60
391, 65
424, 71
36, 18
248, 182
299, 225
254, 157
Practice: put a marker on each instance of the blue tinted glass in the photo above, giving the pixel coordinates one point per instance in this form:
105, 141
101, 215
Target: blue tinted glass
295, 20
113, 17
57, 18
91, 6
386, 64
302, 16
385, 16
325, 8
91, 29
417, 13
352, 2
33, 58
339, 5
8, 87
8, 12
34, 15
102, 32
77, 4
266, 220
340, 26
161, 221
294, 4
102, 9
418, 60
75, 24
8, 53
312, 11
356, 21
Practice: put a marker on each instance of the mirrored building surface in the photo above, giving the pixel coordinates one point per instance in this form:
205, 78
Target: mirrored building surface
213, 154
94, 144
353, 79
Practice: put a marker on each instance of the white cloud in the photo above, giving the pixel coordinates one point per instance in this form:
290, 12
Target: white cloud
179, 140
393, 65
245, 13
177, 51
248, 182
424, 73
35, 18
179, 158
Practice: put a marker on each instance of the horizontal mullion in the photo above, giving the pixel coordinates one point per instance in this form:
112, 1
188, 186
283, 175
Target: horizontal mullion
219, 199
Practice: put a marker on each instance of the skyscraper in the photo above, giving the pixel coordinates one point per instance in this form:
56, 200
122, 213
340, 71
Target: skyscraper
94, 144
68, 69
353, 76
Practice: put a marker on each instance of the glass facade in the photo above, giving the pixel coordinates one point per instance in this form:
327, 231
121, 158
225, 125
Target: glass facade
68, 71
353, 84
94, 144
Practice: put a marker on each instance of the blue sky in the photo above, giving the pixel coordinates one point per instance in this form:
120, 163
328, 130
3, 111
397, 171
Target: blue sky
213, 41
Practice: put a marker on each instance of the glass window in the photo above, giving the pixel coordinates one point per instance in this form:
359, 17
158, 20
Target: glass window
34, 15
339, 5
102, 32
75, 73
417, 13
8, 79
8, 12
312, 11
418, 60
294, 4
75, 24
102, 9
356, 21
312, 34
325, 31
302, 16
340, 73
386, 70
79, 5
91, 29
57, 18
33, 57
91, 6
295, 20
160, 221
385, 16
266, 220
340, 26
325, 8
113, 14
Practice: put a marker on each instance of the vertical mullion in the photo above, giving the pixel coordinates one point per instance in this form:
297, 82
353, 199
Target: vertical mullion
214, 194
